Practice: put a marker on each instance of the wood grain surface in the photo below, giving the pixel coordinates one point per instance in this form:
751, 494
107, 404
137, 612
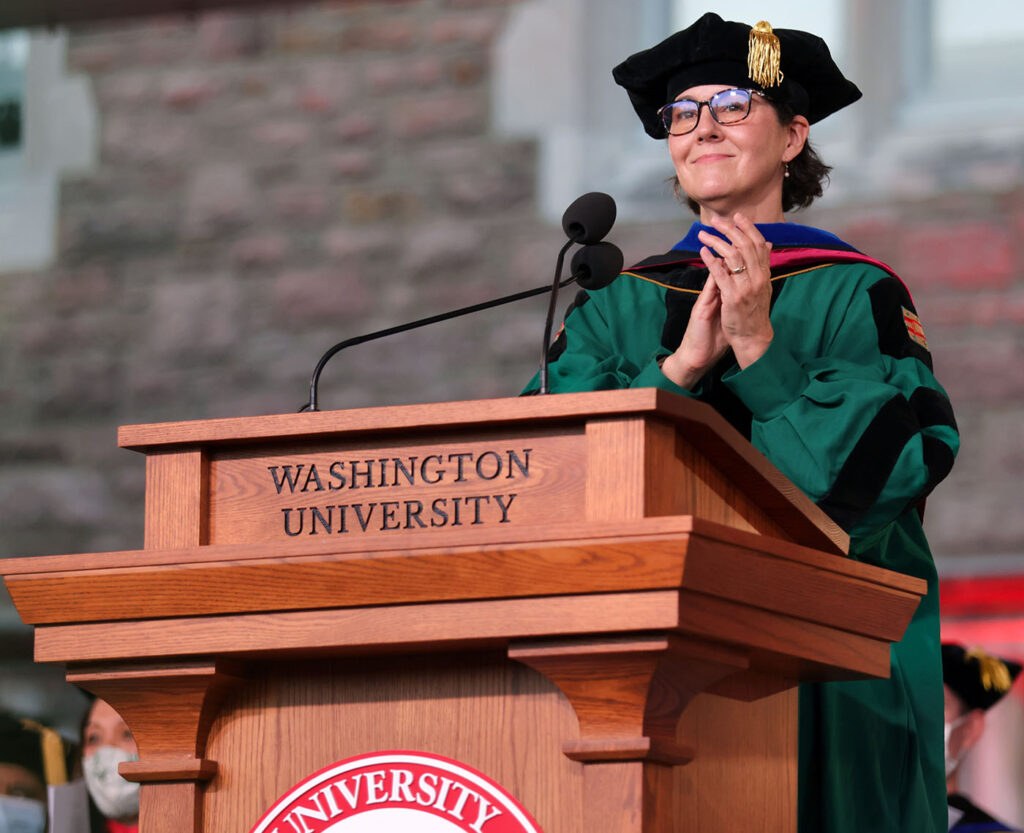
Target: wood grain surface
320, 633
653, 565
335, 581
743, 775
629, 691
697, 423
169, 706
494, 715
431, 485
560, 408
570, 530
721, 562
177, 491
782, 644
172, 807
793, 647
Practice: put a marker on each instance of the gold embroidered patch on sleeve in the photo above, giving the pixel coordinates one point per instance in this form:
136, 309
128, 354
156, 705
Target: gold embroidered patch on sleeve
914, 328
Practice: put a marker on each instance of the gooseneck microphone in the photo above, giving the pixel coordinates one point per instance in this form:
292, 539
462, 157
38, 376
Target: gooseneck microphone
592, 267
586, 221
595, 266
589, 218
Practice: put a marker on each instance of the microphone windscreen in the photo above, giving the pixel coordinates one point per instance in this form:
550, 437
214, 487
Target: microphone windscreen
597, 265
589, 218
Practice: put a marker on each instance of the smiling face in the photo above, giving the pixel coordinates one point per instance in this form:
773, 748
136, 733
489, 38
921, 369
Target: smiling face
738, 167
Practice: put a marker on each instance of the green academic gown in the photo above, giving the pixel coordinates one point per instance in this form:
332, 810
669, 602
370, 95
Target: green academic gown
844, 403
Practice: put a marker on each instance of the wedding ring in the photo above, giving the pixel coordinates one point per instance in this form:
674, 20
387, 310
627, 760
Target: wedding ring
738, 270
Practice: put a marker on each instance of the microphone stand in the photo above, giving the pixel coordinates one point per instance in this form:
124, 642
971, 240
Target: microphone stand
314, 384
551, 317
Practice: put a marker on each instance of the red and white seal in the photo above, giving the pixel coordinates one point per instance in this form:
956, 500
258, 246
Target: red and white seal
383, 792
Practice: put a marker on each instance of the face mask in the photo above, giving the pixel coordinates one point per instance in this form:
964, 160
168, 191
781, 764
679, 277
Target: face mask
952, 762
114, 797
21, 815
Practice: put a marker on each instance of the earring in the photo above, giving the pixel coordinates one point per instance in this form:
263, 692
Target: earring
785, 170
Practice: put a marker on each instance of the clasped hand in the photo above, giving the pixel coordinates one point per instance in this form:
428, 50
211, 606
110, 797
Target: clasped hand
732, 308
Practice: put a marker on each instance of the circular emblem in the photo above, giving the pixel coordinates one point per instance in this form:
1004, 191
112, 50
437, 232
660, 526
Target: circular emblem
387, 791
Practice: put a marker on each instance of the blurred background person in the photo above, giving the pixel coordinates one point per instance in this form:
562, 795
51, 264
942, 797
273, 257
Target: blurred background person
31, 759
973, 682
107, 742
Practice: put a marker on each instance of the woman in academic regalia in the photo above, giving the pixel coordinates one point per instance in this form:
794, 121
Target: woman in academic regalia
813, 351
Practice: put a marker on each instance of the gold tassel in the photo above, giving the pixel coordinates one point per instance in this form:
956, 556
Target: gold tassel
54, 766
764, 55
994, 673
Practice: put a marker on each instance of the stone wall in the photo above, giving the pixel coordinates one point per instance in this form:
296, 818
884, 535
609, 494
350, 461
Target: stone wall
268, 184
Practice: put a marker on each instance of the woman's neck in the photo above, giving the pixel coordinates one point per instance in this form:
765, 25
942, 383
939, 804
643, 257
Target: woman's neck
757, 214
762, 205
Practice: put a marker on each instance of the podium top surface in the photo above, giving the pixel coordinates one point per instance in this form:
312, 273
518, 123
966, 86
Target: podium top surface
428, 416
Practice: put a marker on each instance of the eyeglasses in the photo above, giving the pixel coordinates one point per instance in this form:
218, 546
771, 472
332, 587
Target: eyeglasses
726, 107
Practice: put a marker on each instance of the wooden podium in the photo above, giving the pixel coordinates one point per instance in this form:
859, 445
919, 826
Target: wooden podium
602, 601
